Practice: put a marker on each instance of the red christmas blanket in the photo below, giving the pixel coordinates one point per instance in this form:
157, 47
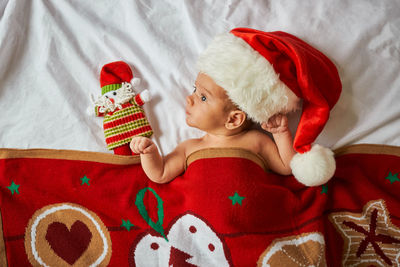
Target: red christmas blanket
71, 208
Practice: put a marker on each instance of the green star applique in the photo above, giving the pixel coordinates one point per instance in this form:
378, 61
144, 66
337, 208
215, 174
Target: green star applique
324, 189
13, 188
236, 199
392, 178
85, 180
127, 224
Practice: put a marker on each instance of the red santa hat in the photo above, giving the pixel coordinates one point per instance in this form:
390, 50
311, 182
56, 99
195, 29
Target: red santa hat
266, 73
113, 74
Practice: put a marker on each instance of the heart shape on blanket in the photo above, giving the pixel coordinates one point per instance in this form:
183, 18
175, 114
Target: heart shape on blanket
69, 244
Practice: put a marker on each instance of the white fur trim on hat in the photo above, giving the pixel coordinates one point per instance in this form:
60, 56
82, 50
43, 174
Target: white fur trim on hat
248, 78
314, 167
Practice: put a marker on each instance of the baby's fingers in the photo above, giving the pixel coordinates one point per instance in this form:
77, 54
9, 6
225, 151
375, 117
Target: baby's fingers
143, 144
135, 144
266, 126
148, 149
283, 120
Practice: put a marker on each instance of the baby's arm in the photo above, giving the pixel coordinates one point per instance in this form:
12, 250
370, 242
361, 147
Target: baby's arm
280, 153
157, 168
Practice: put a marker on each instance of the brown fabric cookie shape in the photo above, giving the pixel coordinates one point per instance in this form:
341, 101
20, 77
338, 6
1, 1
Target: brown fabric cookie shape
299, 250
369, 237
67, 234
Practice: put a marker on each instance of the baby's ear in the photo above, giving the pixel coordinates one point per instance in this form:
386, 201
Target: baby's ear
236, 118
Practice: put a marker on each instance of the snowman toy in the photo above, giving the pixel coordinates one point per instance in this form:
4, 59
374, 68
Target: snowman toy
124, 117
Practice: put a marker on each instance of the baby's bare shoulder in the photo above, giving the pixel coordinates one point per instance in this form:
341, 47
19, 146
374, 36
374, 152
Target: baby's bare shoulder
257, 140
190, 145
190, 142
257, 135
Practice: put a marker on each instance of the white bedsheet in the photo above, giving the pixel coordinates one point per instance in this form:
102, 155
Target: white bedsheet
51, 53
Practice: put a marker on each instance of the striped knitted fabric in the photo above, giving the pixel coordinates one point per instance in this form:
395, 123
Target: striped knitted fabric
123, 124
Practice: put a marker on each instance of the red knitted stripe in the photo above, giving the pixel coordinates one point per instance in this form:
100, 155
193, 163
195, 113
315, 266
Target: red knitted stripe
132, 133
139, 100
123, 120
126, 105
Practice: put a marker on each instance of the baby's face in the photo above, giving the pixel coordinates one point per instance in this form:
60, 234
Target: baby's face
207, 108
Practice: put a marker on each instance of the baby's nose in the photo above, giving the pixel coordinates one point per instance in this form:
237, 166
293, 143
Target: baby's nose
189, 100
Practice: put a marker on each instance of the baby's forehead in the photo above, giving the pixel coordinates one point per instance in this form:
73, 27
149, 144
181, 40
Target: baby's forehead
220, 92
209, 86
206, 83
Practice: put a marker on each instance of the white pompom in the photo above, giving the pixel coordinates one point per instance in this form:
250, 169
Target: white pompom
314, 167
145, 95
135, 81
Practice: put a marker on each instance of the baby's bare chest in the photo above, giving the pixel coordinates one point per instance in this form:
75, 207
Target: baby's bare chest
249, 142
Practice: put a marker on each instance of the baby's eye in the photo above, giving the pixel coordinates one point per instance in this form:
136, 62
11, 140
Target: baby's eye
203, 98
194, 88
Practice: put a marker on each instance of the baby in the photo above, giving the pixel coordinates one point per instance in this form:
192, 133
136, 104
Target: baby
210, 110
248, 75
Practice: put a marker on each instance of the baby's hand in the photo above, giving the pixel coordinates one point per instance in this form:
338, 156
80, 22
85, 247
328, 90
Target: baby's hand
276, 124
142, 145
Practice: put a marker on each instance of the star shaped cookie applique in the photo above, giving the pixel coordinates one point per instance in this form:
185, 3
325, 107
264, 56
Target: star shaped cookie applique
369, 237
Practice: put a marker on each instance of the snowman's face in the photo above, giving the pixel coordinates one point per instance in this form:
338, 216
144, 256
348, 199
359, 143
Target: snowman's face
111, 94
191, 242
121, 95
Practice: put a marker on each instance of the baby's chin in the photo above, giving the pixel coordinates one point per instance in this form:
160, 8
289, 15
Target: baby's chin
188, 122
192, 124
